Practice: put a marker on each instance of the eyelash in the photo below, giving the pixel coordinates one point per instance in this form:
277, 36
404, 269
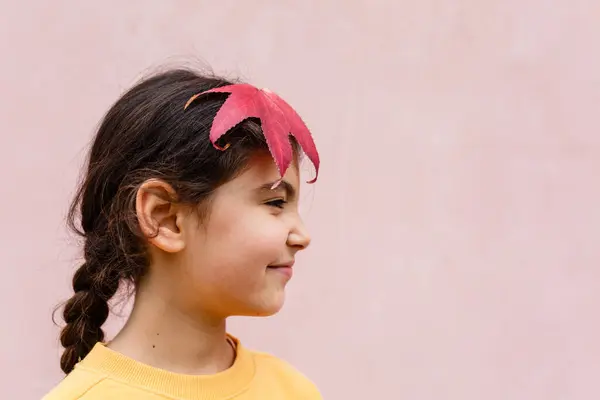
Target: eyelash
278, 203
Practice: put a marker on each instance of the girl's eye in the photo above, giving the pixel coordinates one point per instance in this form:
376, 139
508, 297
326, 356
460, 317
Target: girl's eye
279, 203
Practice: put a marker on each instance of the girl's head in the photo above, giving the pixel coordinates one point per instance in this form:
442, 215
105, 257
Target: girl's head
163, 209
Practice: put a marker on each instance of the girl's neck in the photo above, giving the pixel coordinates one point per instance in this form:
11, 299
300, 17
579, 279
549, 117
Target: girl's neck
162, 337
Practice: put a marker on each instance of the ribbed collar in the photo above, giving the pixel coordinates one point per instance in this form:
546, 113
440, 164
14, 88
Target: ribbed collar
224, 384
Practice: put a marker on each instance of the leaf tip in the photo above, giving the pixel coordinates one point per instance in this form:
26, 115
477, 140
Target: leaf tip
313, 180
191, 100
222, 148
276, 183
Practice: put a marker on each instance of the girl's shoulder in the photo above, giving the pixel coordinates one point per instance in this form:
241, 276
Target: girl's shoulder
282, 375
75, 385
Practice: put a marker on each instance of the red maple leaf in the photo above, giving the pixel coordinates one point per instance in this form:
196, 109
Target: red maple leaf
278, 121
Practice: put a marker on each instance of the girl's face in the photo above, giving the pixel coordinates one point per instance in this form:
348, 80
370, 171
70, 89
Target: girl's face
238, 259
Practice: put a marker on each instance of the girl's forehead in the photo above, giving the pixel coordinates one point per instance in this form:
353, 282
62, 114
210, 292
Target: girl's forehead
261, 168
261, 174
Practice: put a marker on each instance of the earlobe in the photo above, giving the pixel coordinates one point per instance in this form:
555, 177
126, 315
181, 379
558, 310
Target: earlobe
158, 215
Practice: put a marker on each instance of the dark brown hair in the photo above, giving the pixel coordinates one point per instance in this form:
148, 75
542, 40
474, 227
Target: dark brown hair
146, 134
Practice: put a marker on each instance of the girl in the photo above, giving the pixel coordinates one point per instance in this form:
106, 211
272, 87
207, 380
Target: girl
190, 196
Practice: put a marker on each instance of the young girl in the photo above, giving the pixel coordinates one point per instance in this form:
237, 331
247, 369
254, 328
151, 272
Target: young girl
190, 196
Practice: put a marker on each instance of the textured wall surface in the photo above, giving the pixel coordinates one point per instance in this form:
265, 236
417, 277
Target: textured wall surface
456, 220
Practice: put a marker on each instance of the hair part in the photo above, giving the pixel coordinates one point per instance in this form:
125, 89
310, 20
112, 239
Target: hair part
145, 135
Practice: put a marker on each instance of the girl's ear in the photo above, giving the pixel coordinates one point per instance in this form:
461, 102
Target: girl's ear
159, 216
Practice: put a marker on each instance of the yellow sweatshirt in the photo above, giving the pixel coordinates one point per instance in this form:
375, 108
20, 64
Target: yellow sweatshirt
105, 374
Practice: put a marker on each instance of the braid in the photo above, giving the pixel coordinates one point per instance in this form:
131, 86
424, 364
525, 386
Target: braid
94, 283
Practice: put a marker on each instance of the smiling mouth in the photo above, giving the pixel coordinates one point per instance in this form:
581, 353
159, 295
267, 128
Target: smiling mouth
282, 265
285, 270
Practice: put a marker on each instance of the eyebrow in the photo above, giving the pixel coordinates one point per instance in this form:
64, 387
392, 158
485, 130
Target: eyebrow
284, 185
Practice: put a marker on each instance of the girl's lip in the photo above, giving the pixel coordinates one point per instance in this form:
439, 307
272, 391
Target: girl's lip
283, 265
286, 270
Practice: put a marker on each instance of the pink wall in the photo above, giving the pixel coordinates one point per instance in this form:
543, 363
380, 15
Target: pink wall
456, 219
